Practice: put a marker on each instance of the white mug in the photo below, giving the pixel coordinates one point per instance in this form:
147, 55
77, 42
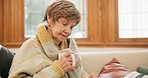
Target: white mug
74, 61
73, 56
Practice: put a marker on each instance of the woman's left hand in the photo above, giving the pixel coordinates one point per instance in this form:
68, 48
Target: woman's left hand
92, 75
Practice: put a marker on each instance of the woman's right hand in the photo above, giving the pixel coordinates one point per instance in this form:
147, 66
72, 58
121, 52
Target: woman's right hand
65, 62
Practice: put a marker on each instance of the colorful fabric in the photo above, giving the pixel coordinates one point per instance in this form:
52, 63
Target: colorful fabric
35, 58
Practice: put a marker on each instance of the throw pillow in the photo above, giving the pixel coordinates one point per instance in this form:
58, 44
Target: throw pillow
113, 69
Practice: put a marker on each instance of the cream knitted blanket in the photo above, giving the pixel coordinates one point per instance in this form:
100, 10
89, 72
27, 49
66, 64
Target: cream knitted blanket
35, 58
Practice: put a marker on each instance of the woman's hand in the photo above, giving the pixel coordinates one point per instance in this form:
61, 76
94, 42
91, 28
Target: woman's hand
65, 62
92, 75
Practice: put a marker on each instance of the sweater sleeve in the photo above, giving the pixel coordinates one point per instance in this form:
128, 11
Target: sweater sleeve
32, 63
53, 71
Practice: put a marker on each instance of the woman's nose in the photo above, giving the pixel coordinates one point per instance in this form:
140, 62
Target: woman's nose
68, 31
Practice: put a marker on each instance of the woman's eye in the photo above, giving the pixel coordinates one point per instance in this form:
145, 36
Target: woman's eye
64, 24
71, 27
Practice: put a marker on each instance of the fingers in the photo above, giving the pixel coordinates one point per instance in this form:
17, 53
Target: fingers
66, 65
67, 54
92, 75
65, 62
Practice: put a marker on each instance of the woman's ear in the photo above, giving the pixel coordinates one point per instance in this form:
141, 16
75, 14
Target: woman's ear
49, 20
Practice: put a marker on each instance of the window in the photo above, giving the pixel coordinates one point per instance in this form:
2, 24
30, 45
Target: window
102, 25
34, 12
133, 16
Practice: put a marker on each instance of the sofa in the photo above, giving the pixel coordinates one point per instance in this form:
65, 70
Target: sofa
95, 61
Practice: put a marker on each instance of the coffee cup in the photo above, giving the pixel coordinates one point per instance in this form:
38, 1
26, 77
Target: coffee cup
74, 57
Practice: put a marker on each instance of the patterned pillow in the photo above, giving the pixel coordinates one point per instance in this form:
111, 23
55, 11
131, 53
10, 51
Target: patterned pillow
113, 69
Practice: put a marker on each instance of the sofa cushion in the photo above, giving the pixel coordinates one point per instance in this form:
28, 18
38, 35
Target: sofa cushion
113, 69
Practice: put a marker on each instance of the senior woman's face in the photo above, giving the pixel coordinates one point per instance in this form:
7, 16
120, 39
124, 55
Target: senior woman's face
61, 29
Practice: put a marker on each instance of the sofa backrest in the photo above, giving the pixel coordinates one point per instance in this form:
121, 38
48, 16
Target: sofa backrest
94, 61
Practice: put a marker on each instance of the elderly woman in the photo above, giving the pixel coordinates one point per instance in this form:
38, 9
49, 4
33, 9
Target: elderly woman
38, 56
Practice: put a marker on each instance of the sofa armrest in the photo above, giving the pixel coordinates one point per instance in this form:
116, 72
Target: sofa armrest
6, 59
